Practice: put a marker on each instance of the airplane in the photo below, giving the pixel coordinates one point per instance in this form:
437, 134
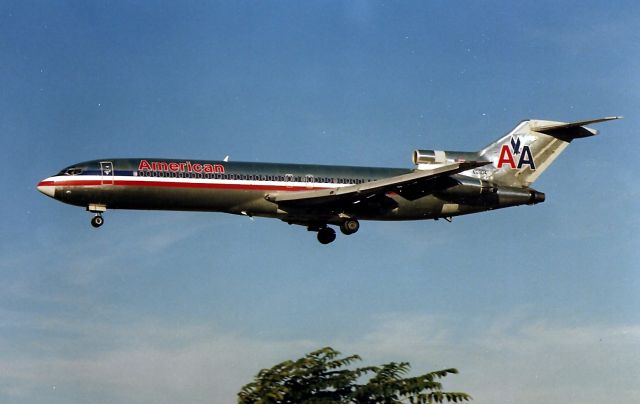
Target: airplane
442, 184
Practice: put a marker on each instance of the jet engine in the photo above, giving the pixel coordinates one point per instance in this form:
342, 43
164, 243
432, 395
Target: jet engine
443, 156
429, 157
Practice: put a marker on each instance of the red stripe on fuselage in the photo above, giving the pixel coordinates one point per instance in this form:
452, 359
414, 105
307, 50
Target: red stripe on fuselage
174, 184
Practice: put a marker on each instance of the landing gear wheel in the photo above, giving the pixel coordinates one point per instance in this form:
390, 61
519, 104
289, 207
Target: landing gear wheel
97, 221
326, 235
349, 226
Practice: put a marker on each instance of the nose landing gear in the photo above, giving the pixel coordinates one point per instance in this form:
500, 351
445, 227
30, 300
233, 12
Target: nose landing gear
97, 220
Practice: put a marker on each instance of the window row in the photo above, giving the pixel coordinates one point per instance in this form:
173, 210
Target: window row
253, 177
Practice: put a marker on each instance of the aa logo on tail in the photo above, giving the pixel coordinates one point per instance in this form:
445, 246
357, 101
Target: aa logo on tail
509, 152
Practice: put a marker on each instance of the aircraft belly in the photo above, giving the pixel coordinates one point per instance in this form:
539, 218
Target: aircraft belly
163, 198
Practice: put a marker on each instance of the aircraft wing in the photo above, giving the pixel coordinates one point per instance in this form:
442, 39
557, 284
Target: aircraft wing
411, 185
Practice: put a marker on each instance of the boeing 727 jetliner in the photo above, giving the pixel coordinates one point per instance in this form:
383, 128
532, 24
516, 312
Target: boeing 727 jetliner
442, 184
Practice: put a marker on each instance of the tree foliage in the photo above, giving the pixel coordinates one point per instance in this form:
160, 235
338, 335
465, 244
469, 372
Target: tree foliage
323, 377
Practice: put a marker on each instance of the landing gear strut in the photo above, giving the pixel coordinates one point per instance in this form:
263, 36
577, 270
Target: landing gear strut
97, 220
326, 235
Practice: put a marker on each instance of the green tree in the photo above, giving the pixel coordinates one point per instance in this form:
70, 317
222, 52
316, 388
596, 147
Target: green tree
322, 377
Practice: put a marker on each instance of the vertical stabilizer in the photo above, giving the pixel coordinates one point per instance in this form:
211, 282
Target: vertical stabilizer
522, 155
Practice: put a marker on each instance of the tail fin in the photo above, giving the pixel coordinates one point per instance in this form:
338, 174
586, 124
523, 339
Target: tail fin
519, 157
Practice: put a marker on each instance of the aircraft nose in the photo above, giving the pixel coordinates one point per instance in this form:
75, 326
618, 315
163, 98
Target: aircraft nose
47, 188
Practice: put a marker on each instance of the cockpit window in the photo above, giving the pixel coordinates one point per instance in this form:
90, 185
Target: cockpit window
72, 171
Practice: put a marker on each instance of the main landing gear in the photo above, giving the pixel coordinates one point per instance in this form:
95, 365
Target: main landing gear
327, 235
349, 226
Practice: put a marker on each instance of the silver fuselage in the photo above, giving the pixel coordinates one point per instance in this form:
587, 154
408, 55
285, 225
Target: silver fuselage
442, 183
241, 188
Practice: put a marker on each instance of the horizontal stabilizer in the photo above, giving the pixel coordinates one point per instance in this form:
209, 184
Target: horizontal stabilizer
571, 129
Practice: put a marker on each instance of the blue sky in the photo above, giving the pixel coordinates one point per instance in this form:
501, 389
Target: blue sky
531, 304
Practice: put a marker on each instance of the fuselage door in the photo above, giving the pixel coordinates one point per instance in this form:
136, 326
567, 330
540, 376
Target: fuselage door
288, 179
309, 180
107, 172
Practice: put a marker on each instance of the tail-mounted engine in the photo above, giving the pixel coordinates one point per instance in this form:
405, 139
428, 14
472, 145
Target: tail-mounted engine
429, 157
442, 157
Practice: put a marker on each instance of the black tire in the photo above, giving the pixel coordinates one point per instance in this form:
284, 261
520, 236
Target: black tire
349, 226
326, 235
97, 221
